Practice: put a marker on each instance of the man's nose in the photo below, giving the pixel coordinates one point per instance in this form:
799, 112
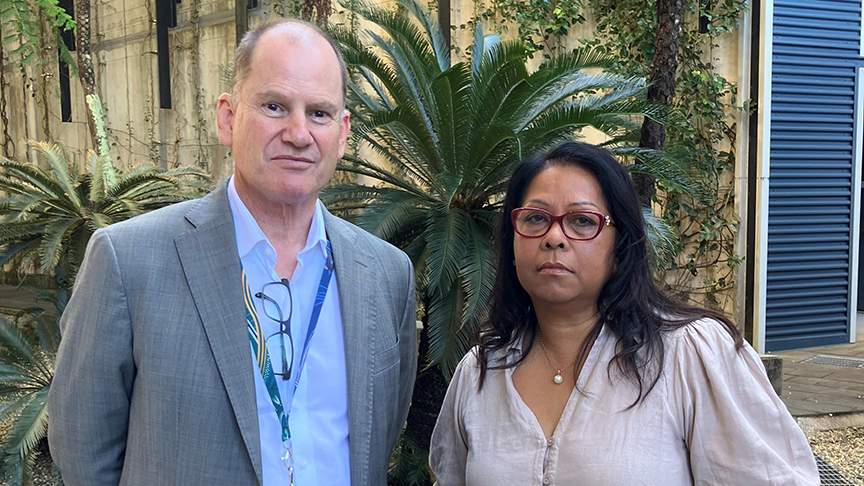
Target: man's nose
296, 130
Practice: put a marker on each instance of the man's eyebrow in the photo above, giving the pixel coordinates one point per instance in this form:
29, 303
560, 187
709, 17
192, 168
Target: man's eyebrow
322, 105
325, 106
269, 95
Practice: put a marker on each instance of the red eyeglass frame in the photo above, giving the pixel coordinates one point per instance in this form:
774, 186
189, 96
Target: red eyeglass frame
560, 221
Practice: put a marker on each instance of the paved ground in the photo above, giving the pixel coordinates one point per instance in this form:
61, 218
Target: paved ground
827, 399
819, 389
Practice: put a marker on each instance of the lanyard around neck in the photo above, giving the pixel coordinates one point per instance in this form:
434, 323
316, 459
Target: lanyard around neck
259, 345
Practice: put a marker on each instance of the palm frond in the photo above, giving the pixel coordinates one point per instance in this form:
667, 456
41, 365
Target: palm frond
662, 166
59, 164
52, 241
447, 238
391, 212
662, 241
27, 430
446, 335
478, 274
433, 33
17, 347
409, 464
32, 176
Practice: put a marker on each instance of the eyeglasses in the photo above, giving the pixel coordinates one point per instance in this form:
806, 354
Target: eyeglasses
271, 294
576, 225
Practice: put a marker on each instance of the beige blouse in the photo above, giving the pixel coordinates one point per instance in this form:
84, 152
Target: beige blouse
712, 418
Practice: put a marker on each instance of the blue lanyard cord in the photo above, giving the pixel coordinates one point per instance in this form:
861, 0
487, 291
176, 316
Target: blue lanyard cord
259, 345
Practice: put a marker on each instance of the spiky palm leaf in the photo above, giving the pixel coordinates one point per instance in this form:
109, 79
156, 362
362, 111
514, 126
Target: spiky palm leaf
47, 217
26, 371
447, 137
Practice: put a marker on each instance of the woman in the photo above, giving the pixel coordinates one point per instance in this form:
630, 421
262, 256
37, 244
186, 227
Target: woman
586, 373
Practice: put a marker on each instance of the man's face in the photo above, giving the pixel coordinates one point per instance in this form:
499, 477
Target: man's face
287, 125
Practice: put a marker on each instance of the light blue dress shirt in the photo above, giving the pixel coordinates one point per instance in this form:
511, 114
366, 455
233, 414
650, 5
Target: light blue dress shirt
318, 412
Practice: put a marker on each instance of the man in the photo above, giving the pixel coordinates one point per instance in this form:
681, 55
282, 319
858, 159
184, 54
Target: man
211, 342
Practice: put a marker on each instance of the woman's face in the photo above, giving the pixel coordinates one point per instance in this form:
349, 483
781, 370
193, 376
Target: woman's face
553, 269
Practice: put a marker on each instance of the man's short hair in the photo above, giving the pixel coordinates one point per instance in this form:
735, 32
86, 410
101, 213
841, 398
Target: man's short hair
246, 49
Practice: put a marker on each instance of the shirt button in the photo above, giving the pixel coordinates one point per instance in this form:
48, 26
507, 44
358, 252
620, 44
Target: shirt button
295, 404
304, 463
550, 441
547, 480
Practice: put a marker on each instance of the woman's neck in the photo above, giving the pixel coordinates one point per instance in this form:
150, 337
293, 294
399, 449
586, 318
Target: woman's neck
564, 332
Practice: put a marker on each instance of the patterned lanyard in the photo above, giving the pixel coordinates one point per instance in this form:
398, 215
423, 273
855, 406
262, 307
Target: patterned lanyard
259, 345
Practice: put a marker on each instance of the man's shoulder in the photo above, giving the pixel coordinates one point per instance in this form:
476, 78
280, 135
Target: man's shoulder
168, 221
361, 237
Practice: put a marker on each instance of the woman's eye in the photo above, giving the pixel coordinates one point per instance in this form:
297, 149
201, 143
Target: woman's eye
536, 218
583, 221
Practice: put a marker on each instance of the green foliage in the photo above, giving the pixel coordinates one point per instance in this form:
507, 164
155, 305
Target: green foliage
48, 216
704, 136
449, 136
540, 23
409, 464
25, 29
27, 352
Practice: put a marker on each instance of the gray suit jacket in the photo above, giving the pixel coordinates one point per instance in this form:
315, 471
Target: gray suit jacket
154, 382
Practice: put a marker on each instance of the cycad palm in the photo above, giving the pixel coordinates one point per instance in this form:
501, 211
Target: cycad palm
26, 372
47, 217
448, 136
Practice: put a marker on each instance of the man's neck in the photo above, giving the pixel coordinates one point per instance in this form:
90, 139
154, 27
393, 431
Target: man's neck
286, 226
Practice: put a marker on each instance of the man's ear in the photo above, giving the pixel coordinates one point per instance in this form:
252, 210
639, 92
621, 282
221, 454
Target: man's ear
225, 119
344, 128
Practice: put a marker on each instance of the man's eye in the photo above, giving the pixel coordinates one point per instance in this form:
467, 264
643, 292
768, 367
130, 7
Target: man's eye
319, 115
272, 107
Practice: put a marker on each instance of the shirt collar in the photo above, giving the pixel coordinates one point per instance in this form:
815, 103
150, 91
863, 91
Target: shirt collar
249, 234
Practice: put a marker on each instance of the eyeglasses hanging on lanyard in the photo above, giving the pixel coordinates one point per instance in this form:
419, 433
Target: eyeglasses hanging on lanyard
261, 346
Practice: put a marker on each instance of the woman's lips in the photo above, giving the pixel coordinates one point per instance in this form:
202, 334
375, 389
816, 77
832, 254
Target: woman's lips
553, 268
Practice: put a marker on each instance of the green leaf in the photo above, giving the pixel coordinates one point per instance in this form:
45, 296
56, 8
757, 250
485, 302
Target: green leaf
29, 427
447, 238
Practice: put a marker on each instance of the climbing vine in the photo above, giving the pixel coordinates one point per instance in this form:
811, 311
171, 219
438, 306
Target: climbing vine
8, 143
704, 137
26, 20
32, 30
541, 24
202, 159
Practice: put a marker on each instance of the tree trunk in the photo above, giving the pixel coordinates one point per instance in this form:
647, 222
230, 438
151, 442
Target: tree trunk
88, 77
44, 75
8, 144
322, 10
662, 90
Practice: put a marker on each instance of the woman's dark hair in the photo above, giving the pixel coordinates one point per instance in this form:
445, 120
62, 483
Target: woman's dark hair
630, 304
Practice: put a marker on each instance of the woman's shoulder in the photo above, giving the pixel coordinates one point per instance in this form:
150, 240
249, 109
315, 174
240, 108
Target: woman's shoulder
706, 337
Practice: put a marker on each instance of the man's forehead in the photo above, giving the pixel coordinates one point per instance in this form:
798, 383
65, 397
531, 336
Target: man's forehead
291, 34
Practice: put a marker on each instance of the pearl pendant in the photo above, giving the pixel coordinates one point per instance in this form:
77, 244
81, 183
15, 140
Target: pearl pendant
558, 378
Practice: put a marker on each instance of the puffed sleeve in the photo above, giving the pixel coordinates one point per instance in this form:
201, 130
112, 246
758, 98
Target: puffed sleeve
736, 429
449, 448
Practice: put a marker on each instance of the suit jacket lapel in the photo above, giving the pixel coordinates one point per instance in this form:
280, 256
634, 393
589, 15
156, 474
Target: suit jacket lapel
208, 254
353, 277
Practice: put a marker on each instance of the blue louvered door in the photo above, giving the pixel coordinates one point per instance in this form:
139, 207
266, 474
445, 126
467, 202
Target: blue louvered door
814, 64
